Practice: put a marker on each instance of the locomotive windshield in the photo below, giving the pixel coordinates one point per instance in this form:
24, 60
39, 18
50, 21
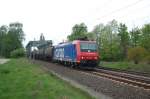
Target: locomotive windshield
88, 47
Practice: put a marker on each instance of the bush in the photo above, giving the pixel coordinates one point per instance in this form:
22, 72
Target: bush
18, 53
147, 58
136, 54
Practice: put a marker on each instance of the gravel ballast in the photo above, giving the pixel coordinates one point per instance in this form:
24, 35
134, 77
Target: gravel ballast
102, 88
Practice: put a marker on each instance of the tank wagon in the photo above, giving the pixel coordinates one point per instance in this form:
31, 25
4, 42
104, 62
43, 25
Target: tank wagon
45, 52
41, 49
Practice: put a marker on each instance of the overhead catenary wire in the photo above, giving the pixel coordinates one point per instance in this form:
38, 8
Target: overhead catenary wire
96, 20
119, 9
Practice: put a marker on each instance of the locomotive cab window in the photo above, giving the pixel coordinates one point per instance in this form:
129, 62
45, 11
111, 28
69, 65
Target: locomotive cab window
88, 47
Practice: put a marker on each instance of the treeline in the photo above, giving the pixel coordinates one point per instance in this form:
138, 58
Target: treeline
115, 42
11, 38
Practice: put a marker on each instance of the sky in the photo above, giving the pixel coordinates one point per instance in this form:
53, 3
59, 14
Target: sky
55, 18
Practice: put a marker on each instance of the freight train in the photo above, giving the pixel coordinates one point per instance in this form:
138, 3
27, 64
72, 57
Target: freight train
78, 53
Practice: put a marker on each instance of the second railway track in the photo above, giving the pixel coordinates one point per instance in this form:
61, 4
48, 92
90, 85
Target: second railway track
135, 80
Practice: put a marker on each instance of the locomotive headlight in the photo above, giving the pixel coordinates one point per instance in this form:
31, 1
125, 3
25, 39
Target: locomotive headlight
82, 57
95, 57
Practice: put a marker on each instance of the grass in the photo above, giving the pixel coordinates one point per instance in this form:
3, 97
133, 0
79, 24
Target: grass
141, 67
19, 79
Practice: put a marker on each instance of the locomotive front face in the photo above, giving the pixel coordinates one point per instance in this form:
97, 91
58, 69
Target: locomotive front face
87, 52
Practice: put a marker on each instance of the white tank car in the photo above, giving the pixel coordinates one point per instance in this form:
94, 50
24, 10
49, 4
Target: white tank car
34, 52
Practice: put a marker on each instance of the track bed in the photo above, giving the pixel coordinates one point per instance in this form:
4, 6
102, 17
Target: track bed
101, 85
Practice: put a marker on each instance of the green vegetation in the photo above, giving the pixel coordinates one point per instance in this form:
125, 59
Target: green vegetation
19, 79
17, 53
78, 31
136, 54
124, 39
11, 38
115, 40
141, 67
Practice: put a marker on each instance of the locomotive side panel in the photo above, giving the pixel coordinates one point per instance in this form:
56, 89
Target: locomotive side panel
58, 53
70, 53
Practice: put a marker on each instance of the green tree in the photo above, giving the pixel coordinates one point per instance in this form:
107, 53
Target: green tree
109, 41
124, 39
17, 30
78, 31
145, 38
98, 29
11, 38
7, 46
113, 39
3, 32
96, 34
135, 34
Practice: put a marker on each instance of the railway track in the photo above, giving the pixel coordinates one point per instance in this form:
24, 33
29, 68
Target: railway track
127, 71
134, 79
131, 79
97, 82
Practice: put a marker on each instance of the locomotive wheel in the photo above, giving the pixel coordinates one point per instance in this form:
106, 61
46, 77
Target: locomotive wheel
72, 65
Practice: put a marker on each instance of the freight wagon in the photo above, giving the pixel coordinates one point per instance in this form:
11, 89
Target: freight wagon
78, 53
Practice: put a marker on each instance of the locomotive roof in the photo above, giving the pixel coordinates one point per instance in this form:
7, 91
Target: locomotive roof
73, 42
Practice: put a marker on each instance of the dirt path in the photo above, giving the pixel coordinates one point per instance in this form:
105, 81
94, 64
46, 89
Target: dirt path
2, 61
